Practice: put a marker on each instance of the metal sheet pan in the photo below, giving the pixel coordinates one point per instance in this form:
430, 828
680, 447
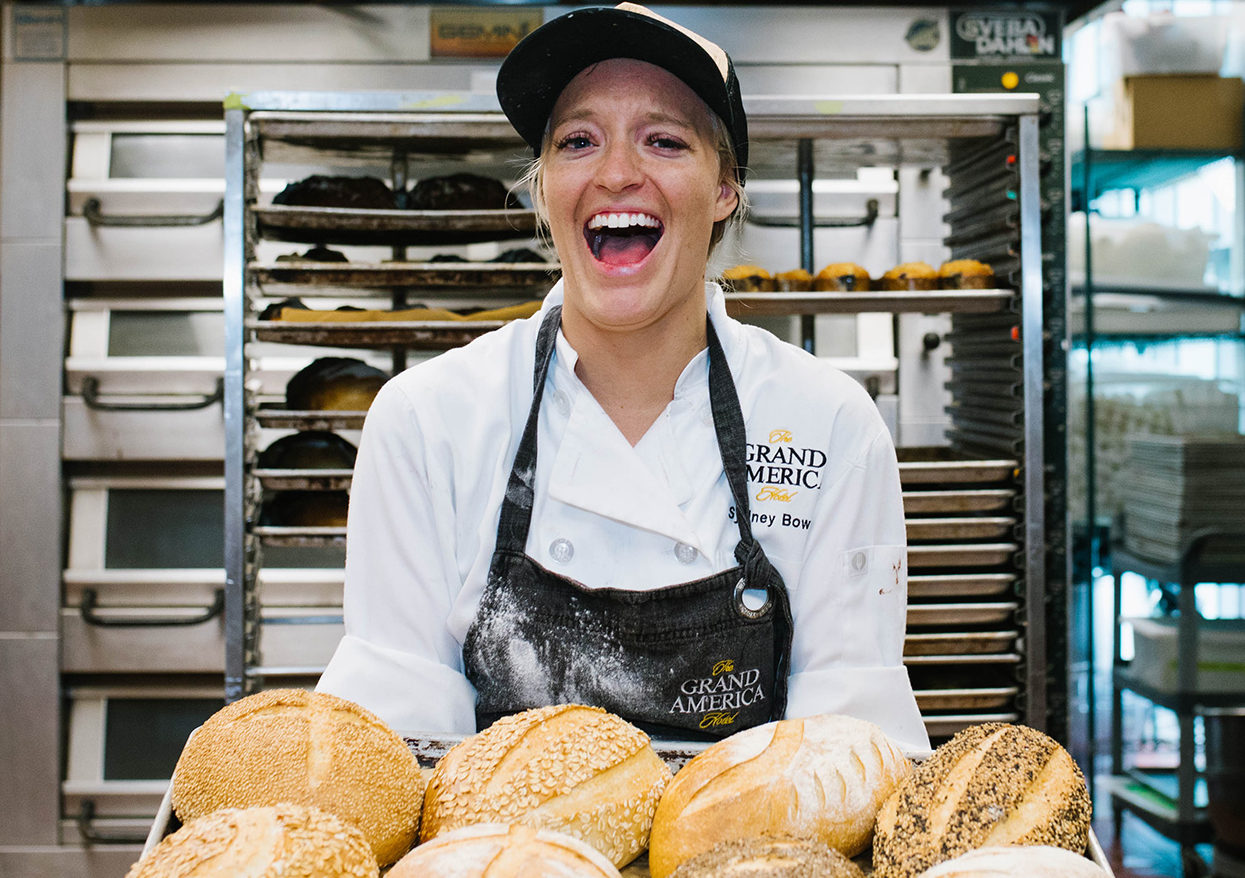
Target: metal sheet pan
273, 535
1002, 658
304, 479
961, 614
966, 699
292, 419
476, 278
942, 585
438, 335
940, 466
959, 643
963, 528
340, 225
881, 301
961, 555
970, 500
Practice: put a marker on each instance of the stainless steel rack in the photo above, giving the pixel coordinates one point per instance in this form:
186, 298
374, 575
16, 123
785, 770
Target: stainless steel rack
976, 508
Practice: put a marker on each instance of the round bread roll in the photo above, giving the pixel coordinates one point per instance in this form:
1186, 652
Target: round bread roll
911, 276
769, 858
748, 279
965, 274
991, 784
1017, 861
797, 280
574, 769
339, 384
821, 777
281, 841
309, 748
498, 850
842, 277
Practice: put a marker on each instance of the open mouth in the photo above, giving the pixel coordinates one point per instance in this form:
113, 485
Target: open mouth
619, 239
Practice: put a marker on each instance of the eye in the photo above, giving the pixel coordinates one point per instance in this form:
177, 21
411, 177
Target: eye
667, 142
576, 140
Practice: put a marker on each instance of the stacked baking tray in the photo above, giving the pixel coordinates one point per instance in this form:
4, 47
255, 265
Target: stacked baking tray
1178, 486
962, 642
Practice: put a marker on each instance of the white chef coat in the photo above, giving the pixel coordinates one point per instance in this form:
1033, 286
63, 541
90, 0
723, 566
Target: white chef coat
433, 462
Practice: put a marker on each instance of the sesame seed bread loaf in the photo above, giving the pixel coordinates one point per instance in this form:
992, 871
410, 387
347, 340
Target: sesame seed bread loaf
309, 748
1017, 861
822, 777
281, 841
574, 769
991, 784
497, 850
769, 858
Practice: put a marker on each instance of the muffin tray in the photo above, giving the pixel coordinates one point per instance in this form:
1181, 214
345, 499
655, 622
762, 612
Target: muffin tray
343, 225
882, 301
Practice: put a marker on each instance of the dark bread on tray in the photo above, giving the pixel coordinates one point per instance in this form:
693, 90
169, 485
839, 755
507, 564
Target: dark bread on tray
320, 190
461, 192
310, 449
334, 384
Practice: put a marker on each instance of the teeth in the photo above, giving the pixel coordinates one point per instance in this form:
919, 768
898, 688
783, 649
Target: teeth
623, 221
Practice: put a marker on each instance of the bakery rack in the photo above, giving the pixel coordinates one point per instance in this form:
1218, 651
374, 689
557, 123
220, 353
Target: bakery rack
977, 508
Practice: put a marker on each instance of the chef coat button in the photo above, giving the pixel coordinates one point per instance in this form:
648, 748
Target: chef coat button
685, 553
561, 550
562, 402
858, 561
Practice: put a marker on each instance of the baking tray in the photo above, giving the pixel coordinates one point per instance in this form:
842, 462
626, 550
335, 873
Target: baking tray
963, 660
942, 466
944, 585
962, 614
499, 279
274, 535
292, 419
742, 305
304, 479
966, 699
342, 225
967, 500
961, 555
423, 334
961, 528
429, 749
959, 643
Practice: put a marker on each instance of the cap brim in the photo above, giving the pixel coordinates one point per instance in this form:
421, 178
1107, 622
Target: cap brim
536, 71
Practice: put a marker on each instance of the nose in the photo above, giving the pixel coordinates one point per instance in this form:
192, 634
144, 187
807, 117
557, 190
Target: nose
619, 167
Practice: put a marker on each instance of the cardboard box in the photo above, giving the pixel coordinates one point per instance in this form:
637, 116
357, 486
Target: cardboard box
1178, 111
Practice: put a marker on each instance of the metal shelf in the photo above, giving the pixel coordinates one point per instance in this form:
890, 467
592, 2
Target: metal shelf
1113, 169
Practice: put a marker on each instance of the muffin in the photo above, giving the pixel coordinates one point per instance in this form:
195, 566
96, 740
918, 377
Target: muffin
842, 277
748, 279
965, 274
911, 276
797, 281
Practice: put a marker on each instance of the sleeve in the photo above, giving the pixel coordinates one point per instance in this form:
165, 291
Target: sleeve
398, 658
850, 601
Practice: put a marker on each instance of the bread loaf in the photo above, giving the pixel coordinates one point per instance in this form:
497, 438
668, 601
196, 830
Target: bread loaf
575, 769
497, 850
1017, 861
769, 858
309, 748
991, 784
821, 777
283, 841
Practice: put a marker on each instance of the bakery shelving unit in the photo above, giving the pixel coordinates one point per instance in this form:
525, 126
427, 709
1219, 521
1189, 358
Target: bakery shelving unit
977, 508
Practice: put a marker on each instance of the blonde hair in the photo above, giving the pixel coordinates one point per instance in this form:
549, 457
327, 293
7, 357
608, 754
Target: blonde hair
532, 179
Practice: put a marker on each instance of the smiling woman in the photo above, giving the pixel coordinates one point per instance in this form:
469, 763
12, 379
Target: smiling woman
712, 533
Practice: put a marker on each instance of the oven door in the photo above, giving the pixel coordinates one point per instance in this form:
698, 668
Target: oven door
144, 586
112, 789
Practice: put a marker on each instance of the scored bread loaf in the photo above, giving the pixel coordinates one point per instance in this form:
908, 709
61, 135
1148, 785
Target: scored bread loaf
991, 784
575, 769
498, 850
309, 748
822, 777
769, 858
1017, 861
281, 841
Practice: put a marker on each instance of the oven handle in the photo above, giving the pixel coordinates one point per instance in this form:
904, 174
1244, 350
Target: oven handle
93, 211
86, 828
87, 610
90, 395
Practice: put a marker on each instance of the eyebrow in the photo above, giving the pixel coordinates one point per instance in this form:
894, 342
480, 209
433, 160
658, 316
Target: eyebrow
586, 113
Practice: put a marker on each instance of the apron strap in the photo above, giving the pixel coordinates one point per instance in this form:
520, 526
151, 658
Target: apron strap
516, 506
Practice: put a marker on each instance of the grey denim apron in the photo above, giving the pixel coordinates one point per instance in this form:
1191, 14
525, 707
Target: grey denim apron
691, 660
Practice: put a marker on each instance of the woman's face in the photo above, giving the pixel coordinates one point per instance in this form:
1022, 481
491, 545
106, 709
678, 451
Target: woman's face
632, 186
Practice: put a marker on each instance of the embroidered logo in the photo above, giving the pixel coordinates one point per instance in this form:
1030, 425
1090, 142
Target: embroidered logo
721, 696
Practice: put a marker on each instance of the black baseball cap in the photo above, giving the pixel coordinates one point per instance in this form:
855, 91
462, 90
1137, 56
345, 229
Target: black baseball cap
536, 71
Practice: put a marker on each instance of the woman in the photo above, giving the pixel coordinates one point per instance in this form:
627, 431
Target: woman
629, 500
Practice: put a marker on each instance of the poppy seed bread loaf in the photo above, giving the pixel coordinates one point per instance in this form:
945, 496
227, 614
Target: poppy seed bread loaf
769, 858
821, 777
282, 841
991, 784
1017, 861
307, 748
497, 850
566, 767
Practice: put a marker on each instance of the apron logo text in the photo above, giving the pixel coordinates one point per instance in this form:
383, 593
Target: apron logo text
724, 690
718, 719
